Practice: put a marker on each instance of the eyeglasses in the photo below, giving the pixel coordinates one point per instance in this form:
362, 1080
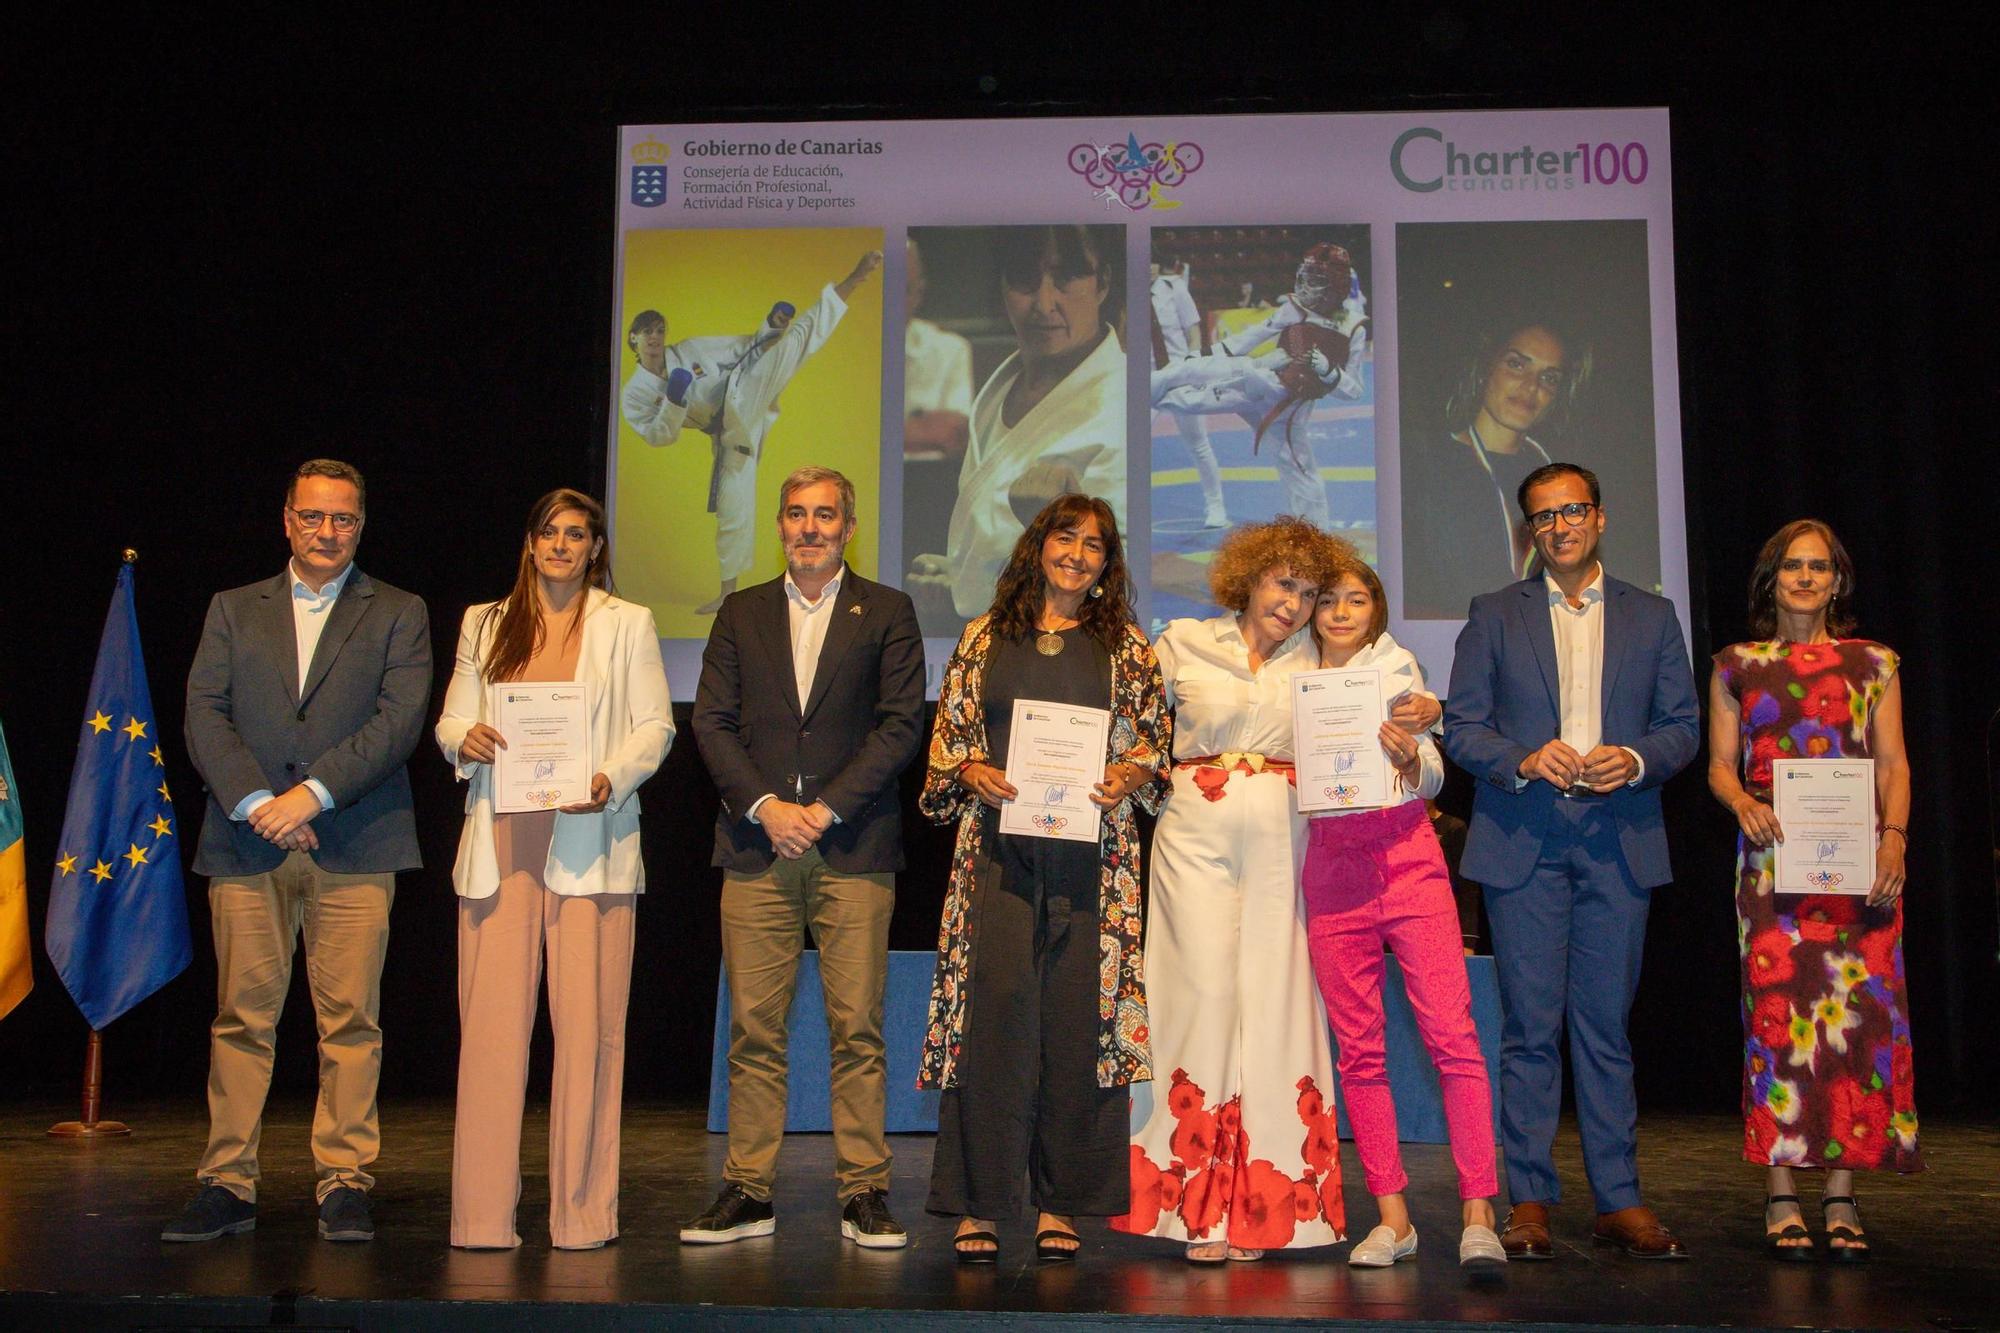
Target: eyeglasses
310, 519
1572, 513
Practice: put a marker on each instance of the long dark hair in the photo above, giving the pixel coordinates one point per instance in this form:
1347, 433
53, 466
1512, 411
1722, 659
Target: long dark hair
1764, 580
517, 635
1468, 393
1017, 595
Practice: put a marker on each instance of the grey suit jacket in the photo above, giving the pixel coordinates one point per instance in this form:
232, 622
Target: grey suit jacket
353, 726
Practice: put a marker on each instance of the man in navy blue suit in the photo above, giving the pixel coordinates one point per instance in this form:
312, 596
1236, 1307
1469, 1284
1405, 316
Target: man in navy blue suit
1571, 702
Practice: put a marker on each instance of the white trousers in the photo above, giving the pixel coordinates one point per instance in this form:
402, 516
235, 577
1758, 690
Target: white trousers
1238, 1028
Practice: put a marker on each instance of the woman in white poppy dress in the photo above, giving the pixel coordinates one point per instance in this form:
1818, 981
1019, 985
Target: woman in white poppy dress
1234, 1150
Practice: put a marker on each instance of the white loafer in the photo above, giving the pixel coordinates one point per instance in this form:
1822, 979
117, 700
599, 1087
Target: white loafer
1380, 1249
1480, 1246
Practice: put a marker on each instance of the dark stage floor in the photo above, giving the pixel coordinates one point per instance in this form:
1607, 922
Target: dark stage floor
79, 1247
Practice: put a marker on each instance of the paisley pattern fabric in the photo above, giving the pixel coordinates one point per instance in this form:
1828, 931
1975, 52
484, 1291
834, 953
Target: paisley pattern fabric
1142, 734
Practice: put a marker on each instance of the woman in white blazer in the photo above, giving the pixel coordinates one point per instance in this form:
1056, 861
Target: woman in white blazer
557, 884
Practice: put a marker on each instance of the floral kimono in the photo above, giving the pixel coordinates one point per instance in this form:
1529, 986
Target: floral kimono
1142, 734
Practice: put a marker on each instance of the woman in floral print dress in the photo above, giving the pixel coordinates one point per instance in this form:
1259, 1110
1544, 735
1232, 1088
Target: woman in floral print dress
1827, 1062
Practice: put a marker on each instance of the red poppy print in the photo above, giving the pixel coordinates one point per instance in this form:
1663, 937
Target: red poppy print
1826, 702
1147, 1195
1263, 1218
1770, 958
1205, 1198
1807, 659
1771, 1020
1211, 781
1860, 1123
1852, 1105
1764, 752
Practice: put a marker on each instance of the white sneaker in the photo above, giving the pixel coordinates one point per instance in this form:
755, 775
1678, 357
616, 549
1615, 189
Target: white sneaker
1214, 515
1380, 1249
1478, 1245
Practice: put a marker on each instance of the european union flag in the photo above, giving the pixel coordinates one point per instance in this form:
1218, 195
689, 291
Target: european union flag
118, 927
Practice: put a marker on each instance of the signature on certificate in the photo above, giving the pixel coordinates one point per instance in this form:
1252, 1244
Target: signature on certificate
1344, 762
1057, 794
1828, 850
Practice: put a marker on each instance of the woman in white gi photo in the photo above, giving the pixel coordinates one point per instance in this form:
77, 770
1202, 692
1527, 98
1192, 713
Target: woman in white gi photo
555, 885
1051, 417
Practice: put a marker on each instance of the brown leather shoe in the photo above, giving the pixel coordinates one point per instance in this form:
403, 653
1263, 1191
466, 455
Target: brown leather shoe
1639, 1233
1525, 1233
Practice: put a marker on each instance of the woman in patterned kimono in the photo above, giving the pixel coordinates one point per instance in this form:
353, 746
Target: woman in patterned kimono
1038, 1013
1827, 1080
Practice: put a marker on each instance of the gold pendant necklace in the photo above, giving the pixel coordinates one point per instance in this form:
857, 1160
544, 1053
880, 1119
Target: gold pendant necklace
1048, 643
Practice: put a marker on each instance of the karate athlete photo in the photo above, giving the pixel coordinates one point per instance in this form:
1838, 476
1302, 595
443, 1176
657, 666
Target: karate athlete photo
727, 387
1321, 328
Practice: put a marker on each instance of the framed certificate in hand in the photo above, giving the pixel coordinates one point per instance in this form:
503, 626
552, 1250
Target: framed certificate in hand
547, 760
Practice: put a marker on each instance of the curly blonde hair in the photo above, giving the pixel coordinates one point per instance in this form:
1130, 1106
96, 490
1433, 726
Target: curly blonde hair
1255, 549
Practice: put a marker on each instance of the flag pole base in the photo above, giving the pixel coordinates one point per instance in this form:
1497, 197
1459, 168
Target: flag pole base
76, 1129
91, 1127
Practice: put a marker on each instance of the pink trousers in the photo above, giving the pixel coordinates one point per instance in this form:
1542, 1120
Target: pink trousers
1377, 878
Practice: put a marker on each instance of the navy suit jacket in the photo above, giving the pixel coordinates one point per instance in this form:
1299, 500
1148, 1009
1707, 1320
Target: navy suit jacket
1505, 703
858, 731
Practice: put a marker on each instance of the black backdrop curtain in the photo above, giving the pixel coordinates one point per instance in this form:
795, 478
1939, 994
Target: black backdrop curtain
224, 266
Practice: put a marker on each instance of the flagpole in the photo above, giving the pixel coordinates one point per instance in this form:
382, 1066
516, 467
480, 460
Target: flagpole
91, 1127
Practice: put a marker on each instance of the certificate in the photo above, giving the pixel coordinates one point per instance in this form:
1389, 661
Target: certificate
1337, 719
547, 760
1826, 810
1055, 755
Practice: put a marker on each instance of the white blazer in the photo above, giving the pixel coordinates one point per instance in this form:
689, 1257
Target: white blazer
631, 729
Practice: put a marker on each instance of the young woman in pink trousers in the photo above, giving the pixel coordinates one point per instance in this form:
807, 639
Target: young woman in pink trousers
1374, 878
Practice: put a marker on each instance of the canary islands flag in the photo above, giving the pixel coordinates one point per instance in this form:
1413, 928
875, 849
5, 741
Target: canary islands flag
17, 976
118, 927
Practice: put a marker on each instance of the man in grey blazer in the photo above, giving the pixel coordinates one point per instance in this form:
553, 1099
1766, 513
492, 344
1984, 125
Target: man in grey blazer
307, 694
811, 703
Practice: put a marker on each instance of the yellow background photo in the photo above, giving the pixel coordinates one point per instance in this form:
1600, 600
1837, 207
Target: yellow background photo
716, 283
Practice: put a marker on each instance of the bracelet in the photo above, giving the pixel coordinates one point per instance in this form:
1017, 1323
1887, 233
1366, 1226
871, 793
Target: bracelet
1899, 830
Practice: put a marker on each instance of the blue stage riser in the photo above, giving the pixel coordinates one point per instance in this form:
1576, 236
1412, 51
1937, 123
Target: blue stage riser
1413, 1079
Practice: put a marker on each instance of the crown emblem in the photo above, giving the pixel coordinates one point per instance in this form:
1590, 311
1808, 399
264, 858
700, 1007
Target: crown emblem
651, 151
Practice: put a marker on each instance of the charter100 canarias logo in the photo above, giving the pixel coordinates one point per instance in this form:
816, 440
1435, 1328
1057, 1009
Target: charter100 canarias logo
1423, 160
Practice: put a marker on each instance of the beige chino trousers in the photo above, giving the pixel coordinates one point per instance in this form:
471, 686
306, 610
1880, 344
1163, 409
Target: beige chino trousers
257, 921
764, 920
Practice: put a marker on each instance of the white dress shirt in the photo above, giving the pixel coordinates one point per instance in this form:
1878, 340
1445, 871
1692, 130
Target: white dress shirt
1220, 705
1579, 632
808, 620
310, 612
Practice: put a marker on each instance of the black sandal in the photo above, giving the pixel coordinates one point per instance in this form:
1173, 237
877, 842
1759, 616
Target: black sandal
1056, 1253
1855, 1251
980, 1256
1773, 1240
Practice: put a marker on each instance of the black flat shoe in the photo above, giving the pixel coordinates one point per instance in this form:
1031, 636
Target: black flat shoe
1774, 1240
980, 1256
1047, 1250
1855, 1251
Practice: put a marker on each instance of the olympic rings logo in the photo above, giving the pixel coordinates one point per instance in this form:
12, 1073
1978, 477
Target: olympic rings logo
1135, 174
1049, 823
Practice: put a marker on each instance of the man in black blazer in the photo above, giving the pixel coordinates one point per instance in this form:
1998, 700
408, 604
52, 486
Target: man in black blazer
306, 696
810, 705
